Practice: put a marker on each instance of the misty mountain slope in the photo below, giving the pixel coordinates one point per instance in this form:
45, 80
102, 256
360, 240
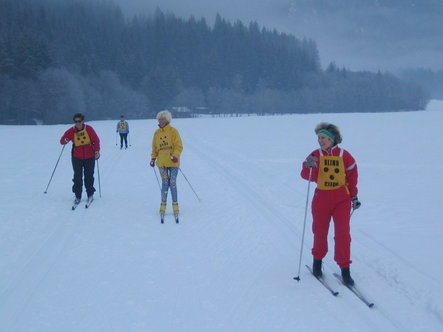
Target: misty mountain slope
358, 34
376, 34
229, 264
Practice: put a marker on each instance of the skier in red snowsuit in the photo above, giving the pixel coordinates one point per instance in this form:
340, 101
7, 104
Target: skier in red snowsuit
335, 172
85, 151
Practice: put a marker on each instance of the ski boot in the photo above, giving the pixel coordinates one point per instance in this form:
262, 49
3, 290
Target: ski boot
176, 210
162, 211
346, 277
316, 268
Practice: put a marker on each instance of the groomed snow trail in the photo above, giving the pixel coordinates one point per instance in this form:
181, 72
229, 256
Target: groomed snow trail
229, 264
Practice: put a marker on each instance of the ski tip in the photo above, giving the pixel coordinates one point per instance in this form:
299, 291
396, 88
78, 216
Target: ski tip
371, 305
297, 278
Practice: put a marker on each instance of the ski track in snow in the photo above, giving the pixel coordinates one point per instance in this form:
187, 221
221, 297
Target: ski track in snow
227, 266
24, 283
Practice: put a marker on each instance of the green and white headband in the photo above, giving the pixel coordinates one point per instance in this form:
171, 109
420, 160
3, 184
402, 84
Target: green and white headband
327, 133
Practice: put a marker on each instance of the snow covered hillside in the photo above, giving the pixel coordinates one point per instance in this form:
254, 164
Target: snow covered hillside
229, 264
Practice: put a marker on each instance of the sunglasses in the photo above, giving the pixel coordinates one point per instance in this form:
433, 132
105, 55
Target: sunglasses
78, 121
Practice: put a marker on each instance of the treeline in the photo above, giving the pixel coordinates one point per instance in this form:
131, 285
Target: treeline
430, 80
57, 58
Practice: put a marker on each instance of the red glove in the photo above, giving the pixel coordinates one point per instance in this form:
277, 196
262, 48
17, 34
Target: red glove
152, 163
174, 159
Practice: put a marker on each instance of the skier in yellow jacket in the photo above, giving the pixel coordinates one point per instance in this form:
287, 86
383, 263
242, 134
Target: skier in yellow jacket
166, 150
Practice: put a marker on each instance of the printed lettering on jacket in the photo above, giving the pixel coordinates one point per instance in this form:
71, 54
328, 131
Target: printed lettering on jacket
122, 125
164, 143
331, 173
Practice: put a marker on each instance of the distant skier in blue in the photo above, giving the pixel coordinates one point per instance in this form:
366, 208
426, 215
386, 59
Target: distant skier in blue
123, 130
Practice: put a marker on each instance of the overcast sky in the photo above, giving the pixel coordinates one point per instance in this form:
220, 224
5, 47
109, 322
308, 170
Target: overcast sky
339, 38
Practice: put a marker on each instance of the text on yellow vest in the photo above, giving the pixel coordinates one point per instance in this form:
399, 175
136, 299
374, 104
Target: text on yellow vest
331, 173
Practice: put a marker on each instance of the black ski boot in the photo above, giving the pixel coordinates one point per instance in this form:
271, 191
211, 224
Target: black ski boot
316, 268
346, 276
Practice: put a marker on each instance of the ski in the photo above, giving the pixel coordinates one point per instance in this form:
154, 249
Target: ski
355, 290
162, 218
89, 202
323, 282
75, 204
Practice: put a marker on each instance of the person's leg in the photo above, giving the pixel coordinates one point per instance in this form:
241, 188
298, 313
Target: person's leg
125, 137
342, 233
173, 172
77, 187
121, 141
89, 166
165, 187
320, 227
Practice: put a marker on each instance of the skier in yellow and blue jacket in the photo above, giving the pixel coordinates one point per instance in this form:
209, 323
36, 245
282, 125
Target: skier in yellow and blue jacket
166, 150
123, 130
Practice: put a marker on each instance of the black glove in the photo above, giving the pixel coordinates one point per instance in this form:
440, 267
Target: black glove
355, 203
311, 161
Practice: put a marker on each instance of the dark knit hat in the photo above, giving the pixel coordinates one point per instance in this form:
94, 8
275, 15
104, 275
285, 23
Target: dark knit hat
330, 130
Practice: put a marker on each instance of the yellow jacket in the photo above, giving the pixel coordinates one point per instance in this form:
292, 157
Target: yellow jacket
166, 143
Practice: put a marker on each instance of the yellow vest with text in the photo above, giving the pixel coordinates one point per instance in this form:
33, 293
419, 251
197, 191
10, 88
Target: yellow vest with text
331, 172
81, 138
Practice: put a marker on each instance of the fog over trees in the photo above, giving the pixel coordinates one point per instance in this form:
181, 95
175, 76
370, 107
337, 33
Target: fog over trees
57, 58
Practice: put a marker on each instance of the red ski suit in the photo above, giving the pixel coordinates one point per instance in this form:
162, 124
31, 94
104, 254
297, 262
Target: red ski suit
336, 176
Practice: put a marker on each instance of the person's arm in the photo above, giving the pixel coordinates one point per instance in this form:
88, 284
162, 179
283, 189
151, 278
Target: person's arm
95, 141
177, 144
67, 136
305, 170
154, 152
351, 171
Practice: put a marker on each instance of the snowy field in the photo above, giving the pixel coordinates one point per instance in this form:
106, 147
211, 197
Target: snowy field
229, 264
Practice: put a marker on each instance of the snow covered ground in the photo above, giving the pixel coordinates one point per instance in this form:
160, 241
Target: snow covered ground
229, 264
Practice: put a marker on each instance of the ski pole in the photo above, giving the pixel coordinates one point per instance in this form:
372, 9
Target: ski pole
189, 184
158, 182
116, 134
99, 185
304, 226
129, 140
56, 164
